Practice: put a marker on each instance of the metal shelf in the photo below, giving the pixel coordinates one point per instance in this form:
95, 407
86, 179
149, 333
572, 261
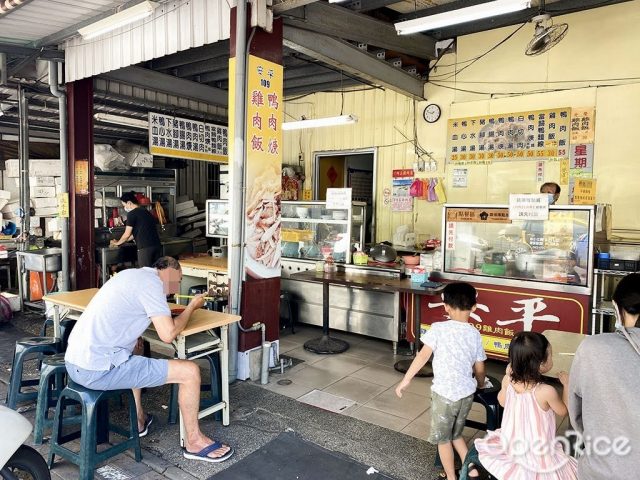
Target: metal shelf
604, 308
620, 273
315, 220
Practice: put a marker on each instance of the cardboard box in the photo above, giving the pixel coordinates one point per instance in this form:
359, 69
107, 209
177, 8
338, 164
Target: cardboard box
47, 211
58, 180
54, 225
42, 181
37, 168
43, 192
44, 202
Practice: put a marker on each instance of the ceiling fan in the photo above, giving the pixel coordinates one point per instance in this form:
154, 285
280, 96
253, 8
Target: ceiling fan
546, 34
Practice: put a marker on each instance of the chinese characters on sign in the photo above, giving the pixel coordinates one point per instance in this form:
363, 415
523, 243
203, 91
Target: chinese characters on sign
401, 200
581, 160
582, 125
81, 177
503, 311
478, 215
177, 137
584, 191
528, 207
534, 135
338, 199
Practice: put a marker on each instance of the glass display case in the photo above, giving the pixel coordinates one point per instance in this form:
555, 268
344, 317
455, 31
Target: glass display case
218, 219
311, 231
481, 244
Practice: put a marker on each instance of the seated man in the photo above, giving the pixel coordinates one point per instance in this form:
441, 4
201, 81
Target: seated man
99, 355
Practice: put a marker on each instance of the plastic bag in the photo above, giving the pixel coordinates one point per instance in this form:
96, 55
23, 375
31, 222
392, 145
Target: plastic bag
107, 158
416, 189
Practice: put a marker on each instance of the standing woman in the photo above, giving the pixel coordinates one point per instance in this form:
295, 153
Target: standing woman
142, 227
604, 387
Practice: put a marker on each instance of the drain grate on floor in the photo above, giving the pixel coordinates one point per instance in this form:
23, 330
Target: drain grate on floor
326, 401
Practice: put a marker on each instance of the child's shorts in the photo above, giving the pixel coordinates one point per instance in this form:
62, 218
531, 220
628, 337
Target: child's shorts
448, 417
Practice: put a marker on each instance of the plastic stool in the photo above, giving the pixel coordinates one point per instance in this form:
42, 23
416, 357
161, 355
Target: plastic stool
24, 349
52, 381
487, 397
285, 300
213, 387
95, 414
65, 330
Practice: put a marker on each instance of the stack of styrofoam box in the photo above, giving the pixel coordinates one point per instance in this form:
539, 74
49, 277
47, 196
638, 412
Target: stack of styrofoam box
44, 185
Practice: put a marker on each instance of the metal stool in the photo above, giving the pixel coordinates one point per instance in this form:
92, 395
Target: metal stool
53, 375
26, 349
95, 415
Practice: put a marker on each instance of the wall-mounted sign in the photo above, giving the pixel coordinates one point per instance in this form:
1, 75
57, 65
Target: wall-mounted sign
478, 215
338, 198
583, 125
63, 205
583, 191
81, 177
581, 159
564, 171
176, 137
540, 171
460, 177
528, 207
533, 135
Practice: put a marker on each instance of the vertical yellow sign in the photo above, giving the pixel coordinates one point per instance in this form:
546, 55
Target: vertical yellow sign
264, 115
63, 205
564, 171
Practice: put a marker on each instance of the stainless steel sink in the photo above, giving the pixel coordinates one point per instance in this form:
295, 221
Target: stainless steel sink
42, 260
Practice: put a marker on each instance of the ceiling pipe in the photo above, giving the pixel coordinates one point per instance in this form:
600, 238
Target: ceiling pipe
64, 181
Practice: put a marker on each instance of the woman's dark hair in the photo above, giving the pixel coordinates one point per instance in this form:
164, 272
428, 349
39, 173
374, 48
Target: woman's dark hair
627, 294
461, 296
528, 350
129, 197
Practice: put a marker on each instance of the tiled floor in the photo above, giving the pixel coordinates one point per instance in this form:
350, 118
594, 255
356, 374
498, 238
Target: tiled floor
365, 375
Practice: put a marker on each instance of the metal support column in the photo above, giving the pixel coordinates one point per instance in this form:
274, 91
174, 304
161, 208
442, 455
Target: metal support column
82, 271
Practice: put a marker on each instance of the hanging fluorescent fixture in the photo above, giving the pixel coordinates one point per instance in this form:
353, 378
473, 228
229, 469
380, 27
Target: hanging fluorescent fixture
461, 15
117, 20
320, 122
118, 120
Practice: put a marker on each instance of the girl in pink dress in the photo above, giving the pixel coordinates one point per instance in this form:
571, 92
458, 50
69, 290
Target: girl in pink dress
525, 447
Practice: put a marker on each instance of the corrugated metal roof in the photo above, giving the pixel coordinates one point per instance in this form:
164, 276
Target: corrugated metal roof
174, 27
41, 18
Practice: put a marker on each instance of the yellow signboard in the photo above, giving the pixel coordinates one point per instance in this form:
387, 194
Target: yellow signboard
564, 171
584, 191
63, 205
583, 125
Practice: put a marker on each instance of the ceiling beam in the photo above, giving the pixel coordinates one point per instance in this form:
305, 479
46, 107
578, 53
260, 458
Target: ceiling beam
199, 54
343, 23
307, 71
144, 78
280, 6
343, 55
367, 5
314, 80
21, 51
204, 66
215, 76
324, 87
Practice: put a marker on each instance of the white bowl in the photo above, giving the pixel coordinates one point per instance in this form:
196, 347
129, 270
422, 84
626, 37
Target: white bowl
302, 212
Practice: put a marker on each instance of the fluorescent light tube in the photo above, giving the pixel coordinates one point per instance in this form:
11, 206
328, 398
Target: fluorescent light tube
461, 15
320, 122
118, 120
117, 20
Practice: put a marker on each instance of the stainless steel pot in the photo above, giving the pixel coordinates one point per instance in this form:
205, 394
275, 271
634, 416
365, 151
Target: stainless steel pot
383, 253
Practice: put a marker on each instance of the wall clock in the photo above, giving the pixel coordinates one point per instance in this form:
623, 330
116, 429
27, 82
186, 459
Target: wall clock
432, 113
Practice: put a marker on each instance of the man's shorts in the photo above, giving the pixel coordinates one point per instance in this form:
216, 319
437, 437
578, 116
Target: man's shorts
136, 372
448, 417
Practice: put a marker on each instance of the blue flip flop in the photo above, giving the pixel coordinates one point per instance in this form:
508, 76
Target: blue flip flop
204, 453
147, 421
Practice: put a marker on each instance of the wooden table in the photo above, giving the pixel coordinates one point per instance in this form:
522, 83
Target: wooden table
206, 263
328, 345
563, 350
200, 321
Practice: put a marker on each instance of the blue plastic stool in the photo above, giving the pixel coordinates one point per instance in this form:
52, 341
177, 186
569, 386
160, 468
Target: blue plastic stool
488, 398
65, 330
53, 375
95, 414
26, 349
214, 387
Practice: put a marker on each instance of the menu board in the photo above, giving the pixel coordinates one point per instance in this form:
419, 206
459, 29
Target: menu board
177, 137
535, 135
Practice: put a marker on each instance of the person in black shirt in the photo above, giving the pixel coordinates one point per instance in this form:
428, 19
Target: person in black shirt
142, 227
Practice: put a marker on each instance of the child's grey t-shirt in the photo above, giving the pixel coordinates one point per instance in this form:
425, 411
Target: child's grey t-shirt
456, 347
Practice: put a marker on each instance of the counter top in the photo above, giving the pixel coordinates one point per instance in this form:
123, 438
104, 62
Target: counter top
206, 263
367, 282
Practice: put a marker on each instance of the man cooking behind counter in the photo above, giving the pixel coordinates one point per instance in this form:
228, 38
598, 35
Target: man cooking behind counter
142, 227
